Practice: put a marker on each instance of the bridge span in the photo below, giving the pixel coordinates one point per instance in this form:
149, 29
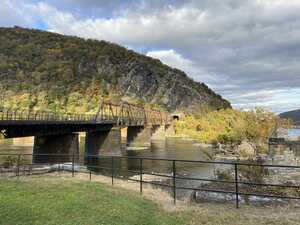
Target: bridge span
57, 133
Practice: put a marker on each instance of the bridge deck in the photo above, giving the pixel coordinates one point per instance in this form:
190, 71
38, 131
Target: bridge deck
21, 123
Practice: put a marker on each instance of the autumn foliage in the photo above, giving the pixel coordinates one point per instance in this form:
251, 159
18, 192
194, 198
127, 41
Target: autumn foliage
230, 126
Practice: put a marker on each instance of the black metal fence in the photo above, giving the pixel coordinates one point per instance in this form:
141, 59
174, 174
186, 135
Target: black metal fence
238, 183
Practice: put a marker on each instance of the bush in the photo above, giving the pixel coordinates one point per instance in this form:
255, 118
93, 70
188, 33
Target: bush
224, 175
9, 161
230, 126
253, 174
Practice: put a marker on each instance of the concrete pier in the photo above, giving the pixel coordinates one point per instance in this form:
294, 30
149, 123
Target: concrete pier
103, 142
170, 131
139, 137
67, 144
159, 132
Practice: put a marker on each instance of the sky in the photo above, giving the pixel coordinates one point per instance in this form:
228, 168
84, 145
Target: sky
246, 50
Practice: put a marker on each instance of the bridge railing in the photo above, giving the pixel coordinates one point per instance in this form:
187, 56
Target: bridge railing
124, 113
37, 115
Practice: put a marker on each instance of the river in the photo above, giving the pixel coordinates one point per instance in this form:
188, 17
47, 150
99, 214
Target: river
294, 133
171, 148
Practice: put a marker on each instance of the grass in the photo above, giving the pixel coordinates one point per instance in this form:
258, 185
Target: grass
53, 200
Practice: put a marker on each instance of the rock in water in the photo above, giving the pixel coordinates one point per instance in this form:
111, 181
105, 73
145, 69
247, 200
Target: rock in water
245, 149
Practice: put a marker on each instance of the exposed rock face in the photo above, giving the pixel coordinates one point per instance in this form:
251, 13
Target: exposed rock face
62, 65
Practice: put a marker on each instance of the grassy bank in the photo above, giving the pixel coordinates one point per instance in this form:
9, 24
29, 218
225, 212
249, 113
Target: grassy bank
55, 200
69, 202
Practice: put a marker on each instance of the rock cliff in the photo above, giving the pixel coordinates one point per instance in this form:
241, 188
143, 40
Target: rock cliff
40, 70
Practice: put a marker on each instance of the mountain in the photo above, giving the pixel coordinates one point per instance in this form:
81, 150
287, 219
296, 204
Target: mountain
44, 70
293, 115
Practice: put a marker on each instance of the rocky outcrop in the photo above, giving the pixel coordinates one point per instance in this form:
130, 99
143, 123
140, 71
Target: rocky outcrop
51, 70
246, 150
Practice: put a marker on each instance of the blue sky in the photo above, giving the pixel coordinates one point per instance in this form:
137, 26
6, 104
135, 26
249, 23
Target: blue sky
246, 50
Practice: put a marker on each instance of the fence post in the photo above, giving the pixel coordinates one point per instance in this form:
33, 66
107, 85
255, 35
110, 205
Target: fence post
90, 175
30, 169
112, 171
18, 166
236, 185
141, 176
174, 181
73, 160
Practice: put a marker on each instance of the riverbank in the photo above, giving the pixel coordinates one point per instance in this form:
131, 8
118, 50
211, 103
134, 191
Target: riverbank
231, 127
61, 199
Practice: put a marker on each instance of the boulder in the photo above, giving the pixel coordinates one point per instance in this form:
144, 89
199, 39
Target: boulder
245, 149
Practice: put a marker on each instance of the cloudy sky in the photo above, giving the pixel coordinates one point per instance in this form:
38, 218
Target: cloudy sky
246, 50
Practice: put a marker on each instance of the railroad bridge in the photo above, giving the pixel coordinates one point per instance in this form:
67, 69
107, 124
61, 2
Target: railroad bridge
58, 133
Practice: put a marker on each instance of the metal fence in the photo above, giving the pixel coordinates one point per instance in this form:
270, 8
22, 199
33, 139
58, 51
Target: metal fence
16, 165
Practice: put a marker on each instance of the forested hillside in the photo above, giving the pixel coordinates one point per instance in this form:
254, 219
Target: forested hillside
293, 115
44, 70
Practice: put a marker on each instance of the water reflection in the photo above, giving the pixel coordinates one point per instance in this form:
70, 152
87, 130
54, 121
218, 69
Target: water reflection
172, 148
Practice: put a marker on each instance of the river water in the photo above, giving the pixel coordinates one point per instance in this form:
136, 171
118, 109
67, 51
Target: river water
294, 133
171, 148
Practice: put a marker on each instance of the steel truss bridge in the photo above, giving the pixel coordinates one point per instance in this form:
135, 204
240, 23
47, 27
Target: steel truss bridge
24, 122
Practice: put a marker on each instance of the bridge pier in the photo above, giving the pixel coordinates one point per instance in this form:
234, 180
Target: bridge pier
139, 136
169, 130
107, 142
159, 132
66, 144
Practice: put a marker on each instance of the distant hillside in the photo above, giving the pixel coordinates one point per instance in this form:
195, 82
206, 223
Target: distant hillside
44, 70
293, 115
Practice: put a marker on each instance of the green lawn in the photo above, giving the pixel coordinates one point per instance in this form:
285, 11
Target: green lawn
41, 200
67, 202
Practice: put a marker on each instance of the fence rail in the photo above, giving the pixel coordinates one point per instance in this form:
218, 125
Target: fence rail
18, 167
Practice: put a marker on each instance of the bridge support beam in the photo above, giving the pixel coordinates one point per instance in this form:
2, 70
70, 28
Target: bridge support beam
139, 137
66, 145
106, 142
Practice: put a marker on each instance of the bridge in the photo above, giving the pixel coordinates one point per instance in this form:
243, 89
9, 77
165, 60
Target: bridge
58, 133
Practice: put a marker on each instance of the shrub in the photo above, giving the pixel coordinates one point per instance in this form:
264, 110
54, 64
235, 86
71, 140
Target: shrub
223, 175
253, 174
9, 161
230, 126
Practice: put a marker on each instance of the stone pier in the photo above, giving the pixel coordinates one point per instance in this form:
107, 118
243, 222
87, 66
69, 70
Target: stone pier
170, 131
106, 142
139, 137
159, 132
47, 146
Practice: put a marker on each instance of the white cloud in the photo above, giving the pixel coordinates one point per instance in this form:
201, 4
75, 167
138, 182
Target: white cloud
175, 60
14, 13
171, 58
237, 47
